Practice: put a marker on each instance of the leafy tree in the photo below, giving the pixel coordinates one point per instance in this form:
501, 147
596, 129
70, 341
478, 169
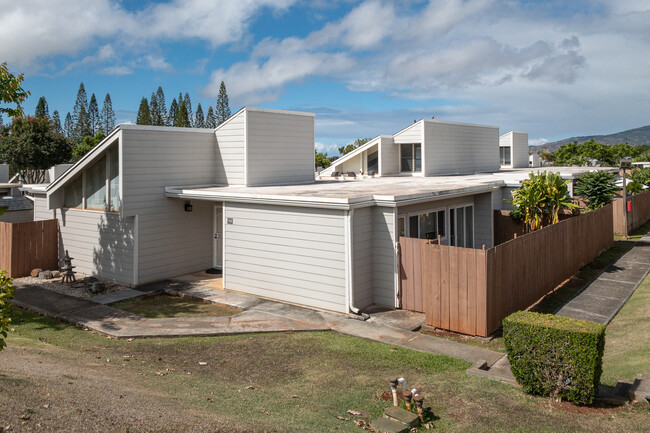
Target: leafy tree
161, 114
144, 115
590, 151
173, 108
210, 119
86, 145
80, 115
350, 147
540, 199
41, 108
11, 92
641, 175
188, 107
223, 106
321, 160
56, 122
31, 146
93, 115
68, 127
199, 121
6, 293
107, 116
633, 188
597, 188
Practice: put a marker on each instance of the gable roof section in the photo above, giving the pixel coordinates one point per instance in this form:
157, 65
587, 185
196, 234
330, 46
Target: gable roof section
356, 151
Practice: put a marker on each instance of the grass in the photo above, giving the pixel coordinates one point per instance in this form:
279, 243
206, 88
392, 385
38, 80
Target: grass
627, 342
164, 305
263, 382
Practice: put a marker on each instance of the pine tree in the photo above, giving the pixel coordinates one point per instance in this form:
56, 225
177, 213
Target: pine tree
161, 115
144, 115
182, 116
56, 122
154, 112
199, 121
68, 126
107, 116
210, 120
173, 108
80, 115
223, 107
41, 108
188, 106
93, 115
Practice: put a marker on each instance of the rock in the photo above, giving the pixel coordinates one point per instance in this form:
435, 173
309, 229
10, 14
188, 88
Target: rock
56, 274
89, 280
404, 416
35, 272
385, 425
44, 275
97, 287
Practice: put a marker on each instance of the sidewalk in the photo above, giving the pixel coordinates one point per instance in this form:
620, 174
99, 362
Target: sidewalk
260, 315
605, 296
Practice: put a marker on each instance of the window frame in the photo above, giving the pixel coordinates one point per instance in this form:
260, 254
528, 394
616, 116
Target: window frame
406, 217
107, 183
453, 227
412, 158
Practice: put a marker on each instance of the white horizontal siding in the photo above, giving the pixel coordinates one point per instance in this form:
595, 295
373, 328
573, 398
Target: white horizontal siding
411, 134
483, 224
286, 253
100, 244
383, 248
230, 150
362, 254
460, 148
389, 154
280, 148
519, 149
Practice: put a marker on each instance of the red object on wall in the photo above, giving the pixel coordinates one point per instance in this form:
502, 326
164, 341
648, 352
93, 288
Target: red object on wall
629, 205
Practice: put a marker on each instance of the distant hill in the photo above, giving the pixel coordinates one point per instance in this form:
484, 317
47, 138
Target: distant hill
635, 137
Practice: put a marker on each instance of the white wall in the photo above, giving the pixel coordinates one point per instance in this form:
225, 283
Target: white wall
483, 221
389, 157
280, 147
287, 253
230, 150
384, 256
363, 256
410, 134
519, 149
455, 148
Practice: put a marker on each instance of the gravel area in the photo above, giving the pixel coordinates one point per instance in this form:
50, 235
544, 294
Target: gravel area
79, 289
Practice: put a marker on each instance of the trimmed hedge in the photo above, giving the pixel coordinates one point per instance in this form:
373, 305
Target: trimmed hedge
555, 356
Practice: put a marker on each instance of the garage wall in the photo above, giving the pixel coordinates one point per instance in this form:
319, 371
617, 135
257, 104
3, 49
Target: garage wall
287, 253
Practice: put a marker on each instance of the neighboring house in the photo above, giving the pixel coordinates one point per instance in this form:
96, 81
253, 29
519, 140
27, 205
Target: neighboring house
18, 208
149, 203
513, 150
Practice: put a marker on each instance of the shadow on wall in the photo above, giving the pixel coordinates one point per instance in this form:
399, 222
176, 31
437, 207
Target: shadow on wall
113, 253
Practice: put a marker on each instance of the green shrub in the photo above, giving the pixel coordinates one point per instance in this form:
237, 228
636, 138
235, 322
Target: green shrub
555, 356
597, 188
6, 293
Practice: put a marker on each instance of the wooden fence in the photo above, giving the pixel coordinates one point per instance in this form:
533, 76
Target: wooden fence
639, 215
471, 291
29, 245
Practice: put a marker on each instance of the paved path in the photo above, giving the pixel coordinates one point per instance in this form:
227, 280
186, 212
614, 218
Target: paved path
604, 297
260, 315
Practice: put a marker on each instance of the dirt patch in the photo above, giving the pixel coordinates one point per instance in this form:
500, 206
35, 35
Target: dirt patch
78, 289
161, 305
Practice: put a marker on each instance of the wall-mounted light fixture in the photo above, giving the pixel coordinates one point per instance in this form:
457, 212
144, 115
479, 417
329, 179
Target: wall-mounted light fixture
188, 206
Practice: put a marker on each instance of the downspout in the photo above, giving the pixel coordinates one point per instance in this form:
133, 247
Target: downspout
350, 279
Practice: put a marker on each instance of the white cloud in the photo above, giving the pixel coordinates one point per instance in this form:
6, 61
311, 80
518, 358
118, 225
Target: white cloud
537, 141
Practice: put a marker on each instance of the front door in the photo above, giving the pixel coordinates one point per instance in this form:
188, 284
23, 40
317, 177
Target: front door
218, 236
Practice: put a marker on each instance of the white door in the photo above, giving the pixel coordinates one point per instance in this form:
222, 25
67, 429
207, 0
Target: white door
218, 236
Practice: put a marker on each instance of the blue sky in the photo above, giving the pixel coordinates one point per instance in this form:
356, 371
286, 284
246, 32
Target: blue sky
552, 68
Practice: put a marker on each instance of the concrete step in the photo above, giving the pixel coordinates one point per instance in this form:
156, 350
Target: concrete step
641, 388
403, 416
387, 425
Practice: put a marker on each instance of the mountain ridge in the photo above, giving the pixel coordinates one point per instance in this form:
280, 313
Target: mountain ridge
635, 137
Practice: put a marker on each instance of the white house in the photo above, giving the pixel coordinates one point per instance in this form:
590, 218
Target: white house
513, 150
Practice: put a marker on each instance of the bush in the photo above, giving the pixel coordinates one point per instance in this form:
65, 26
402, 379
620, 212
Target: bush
555, 356
6, 293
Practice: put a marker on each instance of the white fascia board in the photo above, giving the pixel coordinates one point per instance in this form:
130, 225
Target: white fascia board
448, 122
357, 151
132, 127
86, 160
438, 195
271, 110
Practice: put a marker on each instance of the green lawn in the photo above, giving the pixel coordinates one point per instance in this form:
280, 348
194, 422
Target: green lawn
627, 342
164, 305
265, 382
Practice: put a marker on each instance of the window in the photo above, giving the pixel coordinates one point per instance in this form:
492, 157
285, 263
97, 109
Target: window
114, 180
462, 226
428, 225
504, 155
96, 185
401, 228
73, 193
411, 159
373, 163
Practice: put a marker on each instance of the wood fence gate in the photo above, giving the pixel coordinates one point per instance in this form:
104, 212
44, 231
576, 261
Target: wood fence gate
29, 245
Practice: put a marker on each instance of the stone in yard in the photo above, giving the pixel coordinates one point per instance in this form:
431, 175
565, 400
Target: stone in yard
404, 416
56, 274
385, 425
89, 280
44, 275
97, 287
35, 272
641, 388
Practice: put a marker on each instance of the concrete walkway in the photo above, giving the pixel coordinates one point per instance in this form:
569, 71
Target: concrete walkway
259, 315
605, 296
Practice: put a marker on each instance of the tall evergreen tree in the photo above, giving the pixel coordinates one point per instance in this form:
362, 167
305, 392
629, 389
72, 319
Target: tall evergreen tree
161, 115
173, 108
188, 106
56, 121
210, 120
68, 126
80, 115
41, 108
199, 121
93, 115
154, 112
182, 116
107, 116
223, 107
144, 115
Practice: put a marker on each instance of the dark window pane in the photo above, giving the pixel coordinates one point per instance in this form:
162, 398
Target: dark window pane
428, 226
407, 157
441, 223
469, 226
413, 227
452, 227
460, 226
373, 163
417, 158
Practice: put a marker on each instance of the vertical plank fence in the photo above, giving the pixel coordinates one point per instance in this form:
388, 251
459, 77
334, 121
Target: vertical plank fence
639, 215
29, 245
470, 291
